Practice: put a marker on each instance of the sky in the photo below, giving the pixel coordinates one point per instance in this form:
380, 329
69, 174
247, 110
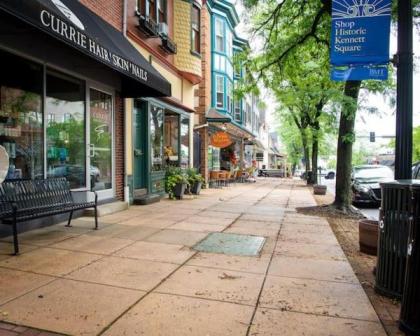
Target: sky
382, 123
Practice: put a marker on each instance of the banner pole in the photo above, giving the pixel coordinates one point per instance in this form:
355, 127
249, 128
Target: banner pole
404, 117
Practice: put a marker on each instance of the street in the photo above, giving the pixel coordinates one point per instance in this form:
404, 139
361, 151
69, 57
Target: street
370, 212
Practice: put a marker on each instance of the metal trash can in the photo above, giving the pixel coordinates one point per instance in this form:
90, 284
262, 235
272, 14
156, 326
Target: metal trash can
393, 238
410, 308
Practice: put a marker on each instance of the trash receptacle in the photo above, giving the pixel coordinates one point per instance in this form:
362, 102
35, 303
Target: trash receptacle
410, 308
393, 238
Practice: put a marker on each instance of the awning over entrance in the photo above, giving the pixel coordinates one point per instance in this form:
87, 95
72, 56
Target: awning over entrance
217, 117
74, 24
257, 143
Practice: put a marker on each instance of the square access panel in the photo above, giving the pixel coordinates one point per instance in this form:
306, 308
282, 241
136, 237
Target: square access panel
231, 244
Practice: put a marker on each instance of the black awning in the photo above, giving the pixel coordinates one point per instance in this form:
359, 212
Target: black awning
72, 23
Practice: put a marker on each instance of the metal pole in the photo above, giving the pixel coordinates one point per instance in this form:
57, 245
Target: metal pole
404, 131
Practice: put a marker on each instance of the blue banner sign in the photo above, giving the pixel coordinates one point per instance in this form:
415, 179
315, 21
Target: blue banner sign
359, 72
360, 34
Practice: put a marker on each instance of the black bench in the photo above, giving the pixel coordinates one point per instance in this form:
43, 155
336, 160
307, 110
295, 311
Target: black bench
31, 199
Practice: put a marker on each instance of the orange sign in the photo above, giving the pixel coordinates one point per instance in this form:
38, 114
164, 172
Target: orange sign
220, 140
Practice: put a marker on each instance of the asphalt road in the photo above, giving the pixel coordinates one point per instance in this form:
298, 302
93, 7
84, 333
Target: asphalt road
369, 212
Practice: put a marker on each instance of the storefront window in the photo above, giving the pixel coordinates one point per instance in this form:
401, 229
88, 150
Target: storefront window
171, 138
156, 137
214, 158
21, 125
66, 140
100, 140
185, 142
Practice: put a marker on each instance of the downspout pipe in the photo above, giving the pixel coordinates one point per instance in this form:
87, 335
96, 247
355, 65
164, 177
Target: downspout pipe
124, 22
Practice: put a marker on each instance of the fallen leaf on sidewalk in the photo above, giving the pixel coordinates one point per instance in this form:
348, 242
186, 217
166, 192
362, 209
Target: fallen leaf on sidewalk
228, 277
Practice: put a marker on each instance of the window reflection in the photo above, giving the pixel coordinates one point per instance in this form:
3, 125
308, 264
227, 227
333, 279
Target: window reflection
156, 137
21, 132
100, 140
185, 142
171, 138
65, 107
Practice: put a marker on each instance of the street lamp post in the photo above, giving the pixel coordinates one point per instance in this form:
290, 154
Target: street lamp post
404, 131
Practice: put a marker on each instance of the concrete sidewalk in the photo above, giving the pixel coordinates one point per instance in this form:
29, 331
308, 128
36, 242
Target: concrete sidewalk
138, 275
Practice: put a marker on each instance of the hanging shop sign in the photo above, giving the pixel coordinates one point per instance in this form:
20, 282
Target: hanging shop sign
220, 140
360, 39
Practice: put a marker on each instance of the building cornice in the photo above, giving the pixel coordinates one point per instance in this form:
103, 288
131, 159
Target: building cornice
226, 7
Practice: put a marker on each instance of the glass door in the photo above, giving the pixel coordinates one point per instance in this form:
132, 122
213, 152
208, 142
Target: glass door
101, 175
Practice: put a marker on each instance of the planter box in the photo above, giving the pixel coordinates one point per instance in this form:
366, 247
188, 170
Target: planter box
368, 236
320, 189
179, 190
196, 188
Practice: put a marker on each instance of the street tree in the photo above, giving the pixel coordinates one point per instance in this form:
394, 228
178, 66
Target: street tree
306, 94
284, 26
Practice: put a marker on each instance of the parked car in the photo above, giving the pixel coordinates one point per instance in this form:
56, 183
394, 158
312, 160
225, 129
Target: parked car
416, 171
366, 181
330, 175
75, 174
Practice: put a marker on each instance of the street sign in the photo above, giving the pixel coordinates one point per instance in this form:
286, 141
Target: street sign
360, 39
359, 72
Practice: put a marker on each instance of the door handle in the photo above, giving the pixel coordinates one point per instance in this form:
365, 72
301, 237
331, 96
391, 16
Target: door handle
138, 152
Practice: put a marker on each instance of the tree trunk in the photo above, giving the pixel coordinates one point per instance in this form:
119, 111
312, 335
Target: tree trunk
343, 197
315, 147
305, 152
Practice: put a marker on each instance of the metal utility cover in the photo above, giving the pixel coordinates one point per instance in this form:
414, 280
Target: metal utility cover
231, 244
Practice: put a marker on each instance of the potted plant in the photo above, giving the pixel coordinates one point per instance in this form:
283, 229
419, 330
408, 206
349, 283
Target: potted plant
320, 189
195, 181
175, 182
368, 236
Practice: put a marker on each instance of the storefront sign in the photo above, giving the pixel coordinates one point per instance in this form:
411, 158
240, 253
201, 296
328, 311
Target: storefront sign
360, 38
77, 26
82, 40
220, 140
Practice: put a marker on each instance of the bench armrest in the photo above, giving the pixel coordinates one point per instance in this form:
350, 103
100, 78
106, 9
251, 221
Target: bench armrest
85, 191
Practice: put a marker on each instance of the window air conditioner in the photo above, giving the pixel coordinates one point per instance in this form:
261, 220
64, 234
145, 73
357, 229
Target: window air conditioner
163, 29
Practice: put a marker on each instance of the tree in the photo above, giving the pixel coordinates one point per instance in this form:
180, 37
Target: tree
416, 144
284, 27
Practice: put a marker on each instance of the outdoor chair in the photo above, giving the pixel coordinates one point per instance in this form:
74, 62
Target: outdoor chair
214, 179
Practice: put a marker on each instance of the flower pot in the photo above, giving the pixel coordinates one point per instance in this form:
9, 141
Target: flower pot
320, 189
368, 236
179, 190
196, 188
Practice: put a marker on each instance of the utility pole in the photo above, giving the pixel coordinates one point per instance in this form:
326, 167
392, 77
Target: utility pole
404, 131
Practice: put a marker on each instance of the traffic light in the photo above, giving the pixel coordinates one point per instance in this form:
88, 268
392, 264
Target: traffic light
372, 136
